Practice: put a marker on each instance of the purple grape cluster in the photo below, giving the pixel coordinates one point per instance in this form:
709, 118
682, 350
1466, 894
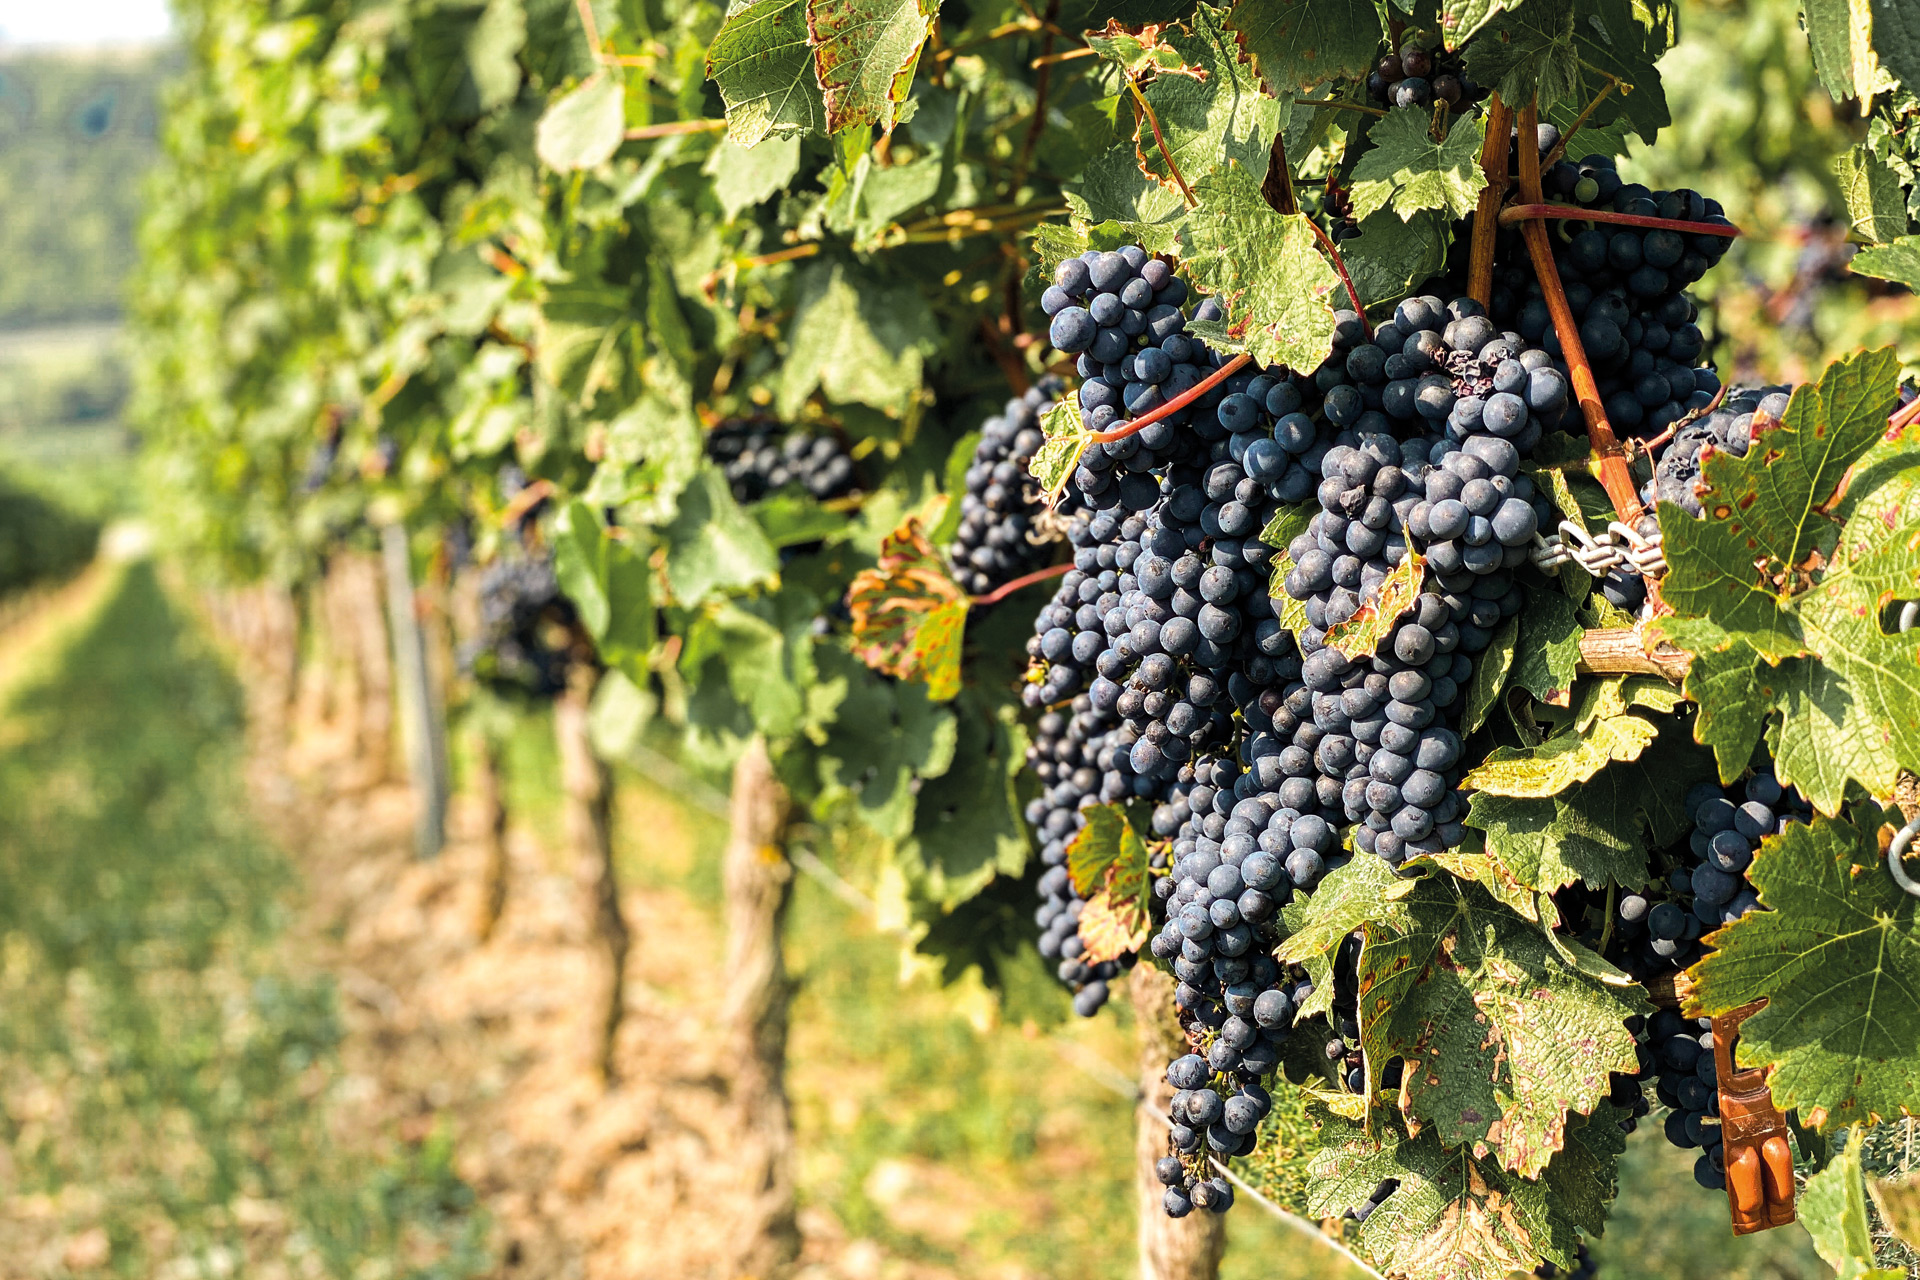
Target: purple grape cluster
996, 541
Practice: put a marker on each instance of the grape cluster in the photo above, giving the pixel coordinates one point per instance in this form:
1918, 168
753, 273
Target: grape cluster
527, 628
996, 541
1706, 889
1421, 73
1743, 413
1626, 287
1372, 731
1584, 1267
759, 457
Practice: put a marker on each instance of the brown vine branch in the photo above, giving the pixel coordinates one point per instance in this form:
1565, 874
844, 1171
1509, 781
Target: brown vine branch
673, 128
1165, 150
1025, 580
1560, 148
1067, 56
1016, 27
1486, 226
1611, 460
1340, 266
1523, 212
1040, 83
1623, 651
1176, 404
1339, 106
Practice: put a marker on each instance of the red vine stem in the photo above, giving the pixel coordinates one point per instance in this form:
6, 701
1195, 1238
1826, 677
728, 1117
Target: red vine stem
1615, 476
1340, 265
1025, 580
1523, 212
1176, 404
1904, 415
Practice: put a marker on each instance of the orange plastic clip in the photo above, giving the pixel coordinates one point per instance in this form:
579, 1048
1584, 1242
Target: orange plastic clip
1759, 1163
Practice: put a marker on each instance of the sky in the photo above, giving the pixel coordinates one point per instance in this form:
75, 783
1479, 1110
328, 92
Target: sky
82, 22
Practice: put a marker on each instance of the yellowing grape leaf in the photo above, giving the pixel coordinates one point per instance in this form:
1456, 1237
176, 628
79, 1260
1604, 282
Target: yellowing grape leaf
1067, 438
1108, 863
1456, 1216
1360, 635
1265, 268
1838, 961
1834, 1207
1502, 1036
865, 52
908, 614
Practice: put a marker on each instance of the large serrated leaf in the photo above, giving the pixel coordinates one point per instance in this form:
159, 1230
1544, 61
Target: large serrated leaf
1735, 694
1408, 172
1266, 270
1212, 112
1297, 44
611, 586
1390, 257
1106, 841
908, 614
1549, 654
1838, 961
712, 545
858, 337
1567, 53
763, 66
1114, 190
1501, 1036
1455, 1216
865, 52
1562, 760
1876, 203
1898, 261
967, 825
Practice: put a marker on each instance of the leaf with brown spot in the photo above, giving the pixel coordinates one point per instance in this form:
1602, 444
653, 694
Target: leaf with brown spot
1503, 1037
909, 616
865, 52
1360, 635
1111, 926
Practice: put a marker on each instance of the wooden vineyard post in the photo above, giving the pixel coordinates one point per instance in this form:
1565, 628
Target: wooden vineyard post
423, 725
1187, 1248
1759, 1164
759, 882
588, 786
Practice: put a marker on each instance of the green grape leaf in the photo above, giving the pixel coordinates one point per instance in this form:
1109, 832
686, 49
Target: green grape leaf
1862, 47
1735, 693
1455, 1215
1288, 523
865, 52
1876, 204
1141, 52
954, 488
1067, 438
1549, 647
583, 127
967, 824
492, 46
1108, 862
712, 545
1898, 261
858, 338
1562, 760
1597, 831
1346, 897
747, 177
763, 65
909, 615
1114, 191
1360, 635
610, 584
1408, 172
1390, 256
1210, 111
790, 519
1763, 507
1502, 1037
1460, 19
885, 738
1838, 961
1297, 44
1834, 1207
1266, 270
1490, 676
765, 646
1568, 53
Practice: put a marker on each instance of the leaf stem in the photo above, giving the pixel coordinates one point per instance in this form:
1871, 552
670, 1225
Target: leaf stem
1615, 476
1337, 105
1176, 404
1040, 84
1006, 589
1085, 51
673, 128
1165, 150
1523, 212
1486, 225
1340, 266
1560, 148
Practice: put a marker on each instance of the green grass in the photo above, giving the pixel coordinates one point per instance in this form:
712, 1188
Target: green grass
159, 1068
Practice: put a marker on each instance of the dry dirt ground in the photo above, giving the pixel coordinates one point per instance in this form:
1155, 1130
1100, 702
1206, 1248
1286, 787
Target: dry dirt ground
495, 1039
